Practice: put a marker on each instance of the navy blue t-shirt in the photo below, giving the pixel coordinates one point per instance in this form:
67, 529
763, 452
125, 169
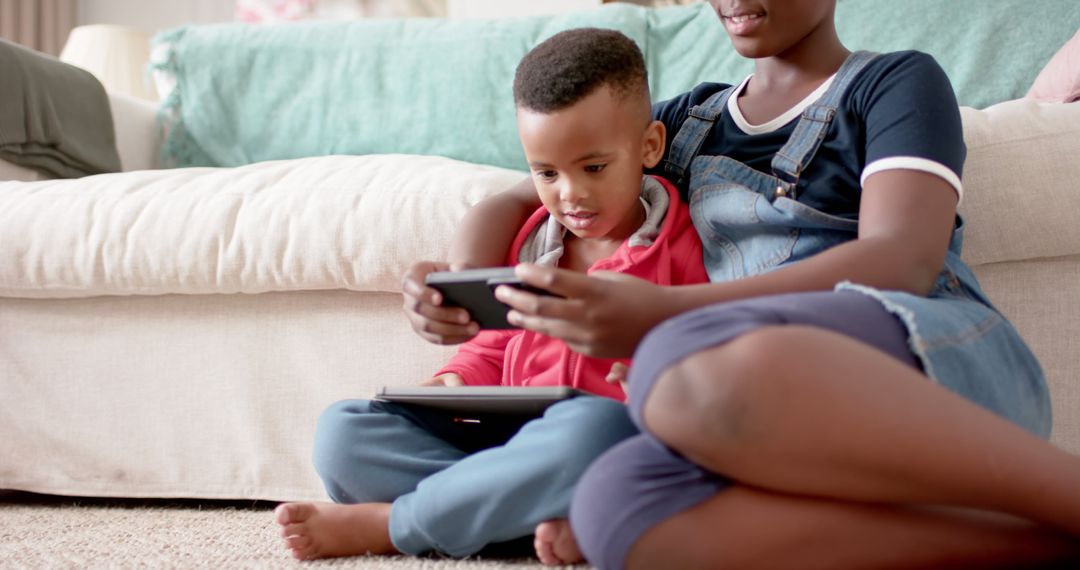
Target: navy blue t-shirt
899, 112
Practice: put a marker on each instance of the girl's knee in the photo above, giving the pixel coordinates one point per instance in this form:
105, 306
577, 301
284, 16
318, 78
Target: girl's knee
710, 394
676, 343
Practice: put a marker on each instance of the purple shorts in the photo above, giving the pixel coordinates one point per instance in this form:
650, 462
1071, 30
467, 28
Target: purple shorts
640, 482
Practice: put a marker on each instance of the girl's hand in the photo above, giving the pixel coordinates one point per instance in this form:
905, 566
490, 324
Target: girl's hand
605, 314
430, 320
617, 374
448, 379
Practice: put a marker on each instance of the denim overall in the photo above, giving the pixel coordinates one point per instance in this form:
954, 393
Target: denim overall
751, 222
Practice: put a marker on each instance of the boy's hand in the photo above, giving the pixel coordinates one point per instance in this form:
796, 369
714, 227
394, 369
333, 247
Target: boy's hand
617, 374
430, 320
604, 314
448, 379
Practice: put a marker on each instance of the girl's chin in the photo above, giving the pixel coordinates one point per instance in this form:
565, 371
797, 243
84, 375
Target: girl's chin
750, 49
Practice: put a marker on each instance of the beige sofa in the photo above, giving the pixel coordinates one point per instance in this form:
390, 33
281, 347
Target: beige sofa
175, 333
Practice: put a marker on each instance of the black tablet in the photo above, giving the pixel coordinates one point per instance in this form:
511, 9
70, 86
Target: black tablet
480, 399
474, 290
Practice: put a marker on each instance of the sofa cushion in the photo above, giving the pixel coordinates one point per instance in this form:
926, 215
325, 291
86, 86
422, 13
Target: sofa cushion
335, 222
1021, 195
1037, 295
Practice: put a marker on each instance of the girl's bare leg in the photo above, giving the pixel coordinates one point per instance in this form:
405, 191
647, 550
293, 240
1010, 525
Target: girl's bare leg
810, 412
321, 530
748, 528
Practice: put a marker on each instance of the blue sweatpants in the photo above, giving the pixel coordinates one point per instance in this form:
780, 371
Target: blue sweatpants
457, 487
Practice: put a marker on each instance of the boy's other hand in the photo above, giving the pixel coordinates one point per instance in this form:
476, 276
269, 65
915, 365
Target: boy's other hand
430, 320
448, 379
604, 314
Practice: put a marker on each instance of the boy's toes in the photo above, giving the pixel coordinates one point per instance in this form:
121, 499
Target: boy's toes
298, 542
561, 542
292, 513
293, 530
302, 548
546, 531
543, 542
543, 552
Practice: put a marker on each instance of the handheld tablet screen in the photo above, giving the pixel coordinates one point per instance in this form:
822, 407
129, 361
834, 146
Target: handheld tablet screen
474, 290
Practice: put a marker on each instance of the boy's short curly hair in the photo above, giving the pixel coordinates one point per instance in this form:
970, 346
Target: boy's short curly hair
570, 65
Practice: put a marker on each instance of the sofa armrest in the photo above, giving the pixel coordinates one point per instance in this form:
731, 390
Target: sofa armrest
138, 138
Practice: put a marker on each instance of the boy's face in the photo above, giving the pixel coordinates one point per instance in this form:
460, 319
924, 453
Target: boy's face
765, 28
587, 161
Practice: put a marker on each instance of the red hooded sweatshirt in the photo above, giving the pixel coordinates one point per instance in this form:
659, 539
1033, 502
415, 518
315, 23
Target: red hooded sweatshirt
519, 357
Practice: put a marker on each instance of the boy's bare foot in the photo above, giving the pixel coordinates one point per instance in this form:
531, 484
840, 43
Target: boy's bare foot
555, 544
320, 530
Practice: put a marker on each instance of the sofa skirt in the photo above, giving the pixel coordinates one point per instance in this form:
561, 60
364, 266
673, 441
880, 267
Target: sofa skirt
209, 396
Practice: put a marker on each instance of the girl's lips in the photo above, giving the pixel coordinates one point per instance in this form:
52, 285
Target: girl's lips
744, 23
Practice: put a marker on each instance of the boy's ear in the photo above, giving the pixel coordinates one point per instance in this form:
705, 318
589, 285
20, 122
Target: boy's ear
652, 144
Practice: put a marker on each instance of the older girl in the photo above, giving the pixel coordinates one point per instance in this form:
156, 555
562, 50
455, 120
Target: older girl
842, 394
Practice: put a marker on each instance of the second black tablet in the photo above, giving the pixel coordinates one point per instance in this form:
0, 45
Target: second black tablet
531, 400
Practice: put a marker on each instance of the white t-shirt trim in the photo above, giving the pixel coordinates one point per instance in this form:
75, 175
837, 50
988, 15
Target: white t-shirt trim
914, 163
785, 118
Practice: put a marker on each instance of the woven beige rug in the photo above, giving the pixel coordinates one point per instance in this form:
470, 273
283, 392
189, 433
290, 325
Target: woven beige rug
48, 532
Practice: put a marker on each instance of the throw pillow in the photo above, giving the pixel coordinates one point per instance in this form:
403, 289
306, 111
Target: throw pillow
1059, 81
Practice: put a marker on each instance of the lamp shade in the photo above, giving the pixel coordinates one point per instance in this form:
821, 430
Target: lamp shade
116, 55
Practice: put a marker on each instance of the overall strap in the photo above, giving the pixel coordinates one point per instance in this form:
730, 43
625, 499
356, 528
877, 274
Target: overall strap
810, 131
699, 122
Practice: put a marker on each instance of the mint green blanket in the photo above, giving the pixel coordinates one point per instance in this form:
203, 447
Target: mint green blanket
250, 93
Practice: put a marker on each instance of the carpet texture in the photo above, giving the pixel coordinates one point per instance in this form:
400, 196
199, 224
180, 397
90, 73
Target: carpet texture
52, 532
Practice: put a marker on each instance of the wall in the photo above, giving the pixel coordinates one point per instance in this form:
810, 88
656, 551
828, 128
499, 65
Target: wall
500, 8
154, 16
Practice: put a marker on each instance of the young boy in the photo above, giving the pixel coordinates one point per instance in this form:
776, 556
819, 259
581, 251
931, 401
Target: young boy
411, 481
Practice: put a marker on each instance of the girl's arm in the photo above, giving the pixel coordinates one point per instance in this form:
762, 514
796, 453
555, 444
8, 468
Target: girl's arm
489, 227
482, 240
906, 220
